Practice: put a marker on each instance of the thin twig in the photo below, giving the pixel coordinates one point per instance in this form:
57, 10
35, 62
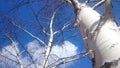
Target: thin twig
9, 59
98, 4
28, 32
68, 59
65, 26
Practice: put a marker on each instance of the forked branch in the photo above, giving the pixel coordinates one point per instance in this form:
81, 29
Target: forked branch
49, 47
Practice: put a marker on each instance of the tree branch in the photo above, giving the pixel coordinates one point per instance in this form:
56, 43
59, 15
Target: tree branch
9, 59
25, 50
68, 59
98, 4
74, 3
16, 50
49, 47
33, 36
65, 26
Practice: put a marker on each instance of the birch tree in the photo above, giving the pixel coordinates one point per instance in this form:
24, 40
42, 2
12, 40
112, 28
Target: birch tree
48, 33
100, 32
96, 30
46, 52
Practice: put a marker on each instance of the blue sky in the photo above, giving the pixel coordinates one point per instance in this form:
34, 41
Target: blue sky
24, 15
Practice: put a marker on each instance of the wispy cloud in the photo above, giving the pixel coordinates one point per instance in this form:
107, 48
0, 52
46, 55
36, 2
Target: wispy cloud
37, 52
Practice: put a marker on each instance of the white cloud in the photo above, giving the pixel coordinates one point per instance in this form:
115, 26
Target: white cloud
37, 52
65, 50
9, 52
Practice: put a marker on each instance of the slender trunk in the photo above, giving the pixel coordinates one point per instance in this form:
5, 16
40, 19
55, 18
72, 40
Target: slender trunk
49, 47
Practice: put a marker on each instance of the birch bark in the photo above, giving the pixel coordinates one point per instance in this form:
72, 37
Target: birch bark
100, 33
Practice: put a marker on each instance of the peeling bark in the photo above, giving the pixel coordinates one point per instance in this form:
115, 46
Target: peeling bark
100, 33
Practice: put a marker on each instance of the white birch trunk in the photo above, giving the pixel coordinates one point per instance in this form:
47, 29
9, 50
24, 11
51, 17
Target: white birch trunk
105, 42
104, 39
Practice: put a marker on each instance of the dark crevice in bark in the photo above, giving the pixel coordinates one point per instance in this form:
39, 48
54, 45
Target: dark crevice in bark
112, 64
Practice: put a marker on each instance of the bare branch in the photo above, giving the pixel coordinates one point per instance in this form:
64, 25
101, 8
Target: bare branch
21, 52
68, 1
49, 47
19, 4
9, 59
16, 50
45, 32
11, 21
33, 62
68, 59
74, 3
98, 4
65, 26
9, 52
